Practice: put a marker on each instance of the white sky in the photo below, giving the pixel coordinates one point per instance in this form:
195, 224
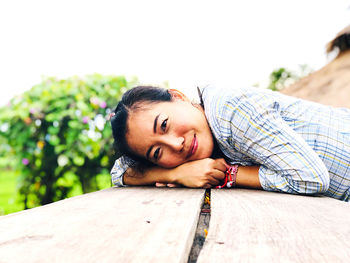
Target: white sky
184, 42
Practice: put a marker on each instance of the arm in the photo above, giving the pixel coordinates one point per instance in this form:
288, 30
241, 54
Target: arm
121, 165
248, 176
196, 174
288, 163
149, 176
125, 172
201, 173
204, 173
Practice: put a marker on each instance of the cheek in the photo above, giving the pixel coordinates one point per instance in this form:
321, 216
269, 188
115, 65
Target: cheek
207, 146
181, 124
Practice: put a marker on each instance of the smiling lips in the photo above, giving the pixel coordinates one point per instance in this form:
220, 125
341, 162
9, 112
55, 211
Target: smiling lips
193, 147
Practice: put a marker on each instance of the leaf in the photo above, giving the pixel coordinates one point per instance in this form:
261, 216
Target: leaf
53, 130
78, 160
54, 140
104, 161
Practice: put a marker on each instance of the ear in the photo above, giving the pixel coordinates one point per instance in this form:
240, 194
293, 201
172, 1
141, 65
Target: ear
178, 95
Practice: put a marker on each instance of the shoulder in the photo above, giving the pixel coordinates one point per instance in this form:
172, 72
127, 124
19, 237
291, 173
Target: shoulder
215, 101
222, 107
220, 102
214, 95
228, 108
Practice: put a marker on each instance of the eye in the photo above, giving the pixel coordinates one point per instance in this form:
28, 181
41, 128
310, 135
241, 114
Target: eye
156, 153
163, 125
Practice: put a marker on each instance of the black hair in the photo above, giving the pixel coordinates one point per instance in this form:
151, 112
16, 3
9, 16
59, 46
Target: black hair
132, 100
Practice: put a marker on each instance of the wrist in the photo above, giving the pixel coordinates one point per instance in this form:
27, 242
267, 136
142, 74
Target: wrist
174, 177
248, 176
230, 177
165, 175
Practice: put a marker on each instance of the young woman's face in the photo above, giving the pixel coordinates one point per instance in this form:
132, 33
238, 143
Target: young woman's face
169, 133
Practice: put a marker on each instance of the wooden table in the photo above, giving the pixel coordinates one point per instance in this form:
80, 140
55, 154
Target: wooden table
147, 224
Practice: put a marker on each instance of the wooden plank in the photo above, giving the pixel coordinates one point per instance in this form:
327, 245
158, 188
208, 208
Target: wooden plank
134, 224
258, 226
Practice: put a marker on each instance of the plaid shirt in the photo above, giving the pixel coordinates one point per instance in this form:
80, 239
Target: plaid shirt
301, 146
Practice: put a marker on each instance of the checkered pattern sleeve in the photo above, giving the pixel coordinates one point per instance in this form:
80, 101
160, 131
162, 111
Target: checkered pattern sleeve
119, 168
253, 125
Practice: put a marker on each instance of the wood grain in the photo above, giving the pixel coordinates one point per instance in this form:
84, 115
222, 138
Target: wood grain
258, 226
134, 224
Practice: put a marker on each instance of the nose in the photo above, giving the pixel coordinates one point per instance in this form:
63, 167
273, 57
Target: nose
176, 143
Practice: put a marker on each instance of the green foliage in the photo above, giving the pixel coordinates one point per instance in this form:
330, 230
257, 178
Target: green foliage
282, 77
279, 77
59, 136
9, 202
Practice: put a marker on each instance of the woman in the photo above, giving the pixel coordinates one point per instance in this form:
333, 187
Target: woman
280, 143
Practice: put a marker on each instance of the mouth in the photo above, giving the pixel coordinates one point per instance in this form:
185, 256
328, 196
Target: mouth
193, 147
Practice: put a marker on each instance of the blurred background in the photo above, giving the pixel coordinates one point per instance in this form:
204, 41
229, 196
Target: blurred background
64, 65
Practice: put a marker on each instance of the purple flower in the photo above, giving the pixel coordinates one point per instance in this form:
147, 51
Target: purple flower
25, 161
85, 120
103, 104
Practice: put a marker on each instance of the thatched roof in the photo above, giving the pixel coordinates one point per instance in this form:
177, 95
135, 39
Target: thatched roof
331, 84
340, 42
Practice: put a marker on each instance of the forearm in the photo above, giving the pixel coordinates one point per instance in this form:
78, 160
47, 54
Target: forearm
204, 173
248, 176
149, 176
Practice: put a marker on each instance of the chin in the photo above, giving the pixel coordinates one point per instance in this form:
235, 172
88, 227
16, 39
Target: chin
204, 154
208, 151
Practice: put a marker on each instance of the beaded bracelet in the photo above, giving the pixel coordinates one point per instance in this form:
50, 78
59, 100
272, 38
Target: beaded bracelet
230, 177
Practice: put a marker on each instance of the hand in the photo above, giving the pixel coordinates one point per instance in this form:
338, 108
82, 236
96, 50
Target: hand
167, 185
204, 173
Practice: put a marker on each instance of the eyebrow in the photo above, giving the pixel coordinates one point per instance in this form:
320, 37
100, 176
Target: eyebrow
155, 123
154, 130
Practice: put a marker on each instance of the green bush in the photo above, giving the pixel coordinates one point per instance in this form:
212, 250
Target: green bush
59, 136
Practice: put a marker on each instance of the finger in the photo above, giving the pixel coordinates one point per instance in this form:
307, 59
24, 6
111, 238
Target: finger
173, 185
221, 165
226, 164
207, 186
160, 185
213, 181
218, 175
